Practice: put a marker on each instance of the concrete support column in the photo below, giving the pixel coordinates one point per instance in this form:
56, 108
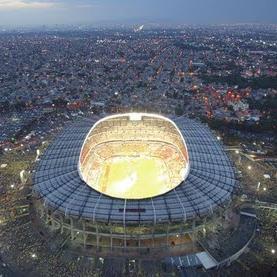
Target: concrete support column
214, 221
153, 237
41, 212
167, 241
84, 234
49, 220
204, 227
239, 159
54, 224
139, 241
85, 239
97, 237
193, 235
125, 240
71, 229
47, 217
111, 239
62, 227
221, 212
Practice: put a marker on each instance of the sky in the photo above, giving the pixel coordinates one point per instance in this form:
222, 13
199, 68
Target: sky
50, 12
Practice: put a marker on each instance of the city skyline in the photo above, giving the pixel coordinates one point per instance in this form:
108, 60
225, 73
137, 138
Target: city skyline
51, 12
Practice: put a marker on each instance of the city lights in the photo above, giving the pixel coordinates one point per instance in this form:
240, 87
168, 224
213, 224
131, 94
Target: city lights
132, 150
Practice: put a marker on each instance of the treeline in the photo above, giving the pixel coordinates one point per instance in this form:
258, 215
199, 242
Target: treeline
264, 125
263, 82
266, 104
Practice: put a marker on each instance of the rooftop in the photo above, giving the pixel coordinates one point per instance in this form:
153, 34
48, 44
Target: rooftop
209, 184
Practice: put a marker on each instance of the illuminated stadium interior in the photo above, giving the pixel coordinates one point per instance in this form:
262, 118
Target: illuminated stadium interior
134, 156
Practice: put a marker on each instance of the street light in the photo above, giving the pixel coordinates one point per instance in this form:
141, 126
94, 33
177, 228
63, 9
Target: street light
249, 167
237, 151
264, 188
273, 251
101, 260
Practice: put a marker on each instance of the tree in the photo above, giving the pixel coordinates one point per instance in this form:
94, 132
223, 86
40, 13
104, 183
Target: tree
179, 110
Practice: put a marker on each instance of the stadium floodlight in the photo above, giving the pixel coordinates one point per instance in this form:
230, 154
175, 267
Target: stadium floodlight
135, 116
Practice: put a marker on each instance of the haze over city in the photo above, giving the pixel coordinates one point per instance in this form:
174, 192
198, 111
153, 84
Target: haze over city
51, 12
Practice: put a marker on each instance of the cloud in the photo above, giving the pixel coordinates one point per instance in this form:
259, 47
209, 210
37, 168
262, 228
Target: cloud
23, 4
86, 6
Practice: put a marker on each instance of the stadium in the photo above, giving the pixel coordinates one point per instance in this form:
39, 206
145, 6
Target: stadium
134, 184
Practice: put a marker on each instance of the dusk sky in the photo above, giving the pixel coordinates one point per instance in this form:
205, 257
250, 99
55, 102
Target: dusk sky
38, 12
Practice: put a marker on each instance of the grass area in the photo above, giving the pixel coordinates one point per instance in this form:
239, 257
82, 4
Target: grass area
134, 177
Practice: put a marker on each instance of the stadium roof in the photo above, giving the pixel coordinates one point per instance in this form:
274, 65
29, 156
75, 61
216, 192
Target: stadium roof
208, 185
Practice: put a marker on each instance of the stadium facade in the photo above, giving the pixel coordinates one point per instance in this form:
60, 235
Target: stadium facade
134, 184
